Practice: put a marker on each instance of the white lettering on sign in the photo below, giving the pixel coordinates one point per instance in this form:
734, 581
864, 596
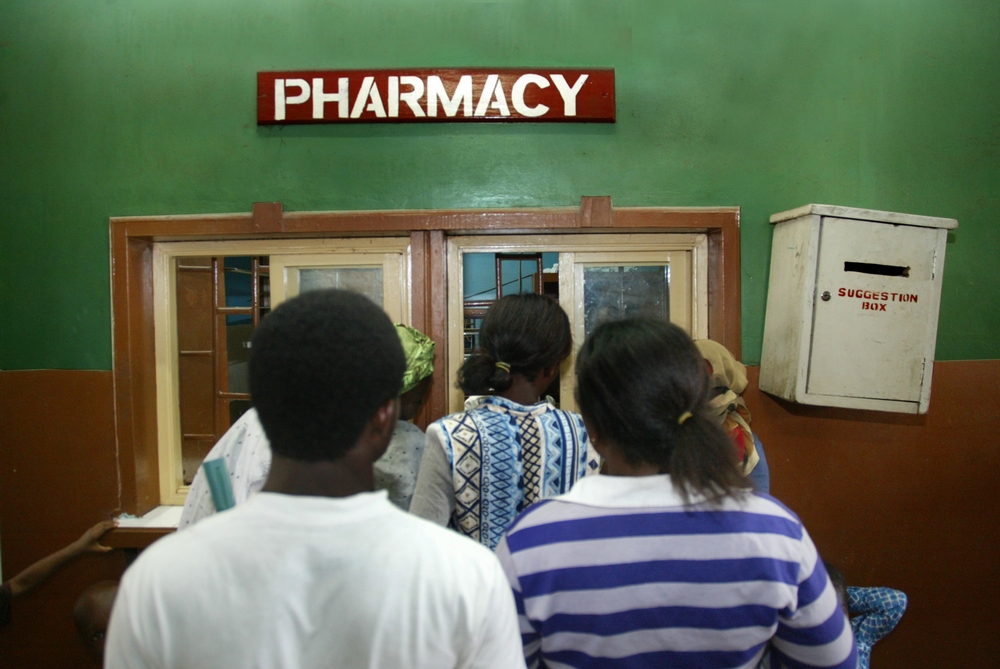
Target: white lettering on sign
369, 91
444, 94
281, 87
492, 93
517, 95
568, 93
320, 98
412, 97
462, 94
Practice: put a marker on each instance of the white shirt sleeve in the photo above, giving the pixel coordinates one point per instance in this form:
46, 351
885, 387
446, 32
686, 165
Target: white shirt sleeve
434, 493
498, 644
247, 455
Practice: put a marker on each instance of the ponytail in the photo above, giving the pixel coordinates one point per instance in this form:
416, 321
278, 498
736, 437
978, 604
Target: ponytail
481, 374
644, 387
521, 334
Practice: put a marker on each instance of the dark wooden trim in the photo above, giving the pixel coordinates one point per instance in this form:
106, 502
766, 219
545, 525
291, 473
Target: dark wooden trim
436, 289
134, 537
267, 217
134, 369
132, 240
596, 212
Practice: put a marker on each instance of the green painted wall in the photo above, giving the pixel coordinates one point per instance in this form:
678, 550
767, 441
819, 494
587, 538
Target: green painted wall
124, 108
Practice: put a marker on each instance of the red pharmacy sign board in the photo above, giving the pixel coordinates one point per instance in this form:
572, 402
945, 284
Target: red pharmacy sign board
406, 96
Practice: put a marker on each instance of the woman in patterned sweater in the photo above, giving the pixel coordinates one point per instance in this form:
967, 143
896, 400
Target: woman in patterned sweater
511, 448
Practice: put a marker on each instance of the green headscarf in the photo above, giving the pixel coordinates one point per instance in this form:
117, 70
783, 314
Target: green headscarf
419, 350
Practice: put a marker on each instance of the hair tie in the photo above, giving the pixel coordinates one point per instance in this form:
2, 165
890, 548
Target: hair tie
504, 366
683, 417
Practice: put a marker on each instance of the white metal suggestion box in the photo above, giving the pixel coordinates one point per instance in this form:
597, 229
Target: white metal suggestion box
852, 307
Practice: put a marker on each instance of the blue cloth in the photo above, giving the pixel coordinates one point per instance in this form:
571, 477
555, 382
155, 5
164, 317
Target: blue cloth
875, 611
761, 475
505, 456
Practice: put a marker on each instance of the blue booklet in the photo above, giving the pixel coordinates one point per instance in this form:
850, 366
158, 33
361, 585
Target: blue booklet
218, 483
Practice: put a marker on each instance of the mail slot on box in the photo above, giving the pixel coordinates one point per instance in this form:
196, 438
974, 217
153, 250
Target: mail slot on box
852, 307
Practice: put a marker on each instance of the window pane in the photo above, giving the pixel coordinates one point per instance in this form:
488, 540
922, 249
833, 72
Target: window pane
238, 356
364, 280
614, 292
239, 285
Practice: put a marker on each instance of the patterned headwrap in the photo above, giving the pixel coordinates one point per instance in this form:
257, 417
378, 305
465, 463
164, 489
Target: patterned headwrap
728, 407
419, 350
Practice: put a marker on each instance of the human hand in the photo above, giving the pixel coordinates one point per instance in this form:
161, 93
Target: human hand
89, 542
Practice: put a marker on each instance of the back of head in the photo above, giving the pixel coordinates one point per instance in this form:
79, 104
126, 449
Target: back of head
320, 366
92, 613
643, 386
525, 332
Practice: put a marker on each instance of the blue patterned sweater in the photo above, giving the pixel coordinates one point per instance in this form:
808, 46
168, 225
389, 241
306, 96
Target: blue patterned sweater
505, 456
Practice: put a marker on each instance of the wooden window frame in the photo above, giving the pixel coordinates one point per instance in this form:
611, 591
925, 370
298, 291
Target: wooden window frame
304, 252
132, 277
688, 250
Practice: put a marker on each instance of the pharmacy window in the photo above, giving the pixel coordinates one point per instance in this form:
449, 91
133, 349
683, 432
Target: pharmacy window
209, 298
595, 277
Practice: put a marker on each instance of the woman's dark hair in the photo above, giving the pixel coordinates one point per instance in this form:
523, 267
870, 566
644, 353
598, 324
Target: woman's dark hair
526, 332
643, 386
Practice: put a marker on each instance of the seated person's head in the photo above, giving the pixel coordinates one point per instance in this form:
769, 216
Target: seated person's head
91, 615
527, 333
728, 376
643, 390
419, 351
323, 366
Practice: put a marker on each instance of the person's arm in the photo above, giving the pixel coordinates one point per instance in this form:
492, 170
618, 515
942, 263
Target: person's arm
531, 640
761, 474
877, 611
434, 493
498, 645
814, 632
46, 567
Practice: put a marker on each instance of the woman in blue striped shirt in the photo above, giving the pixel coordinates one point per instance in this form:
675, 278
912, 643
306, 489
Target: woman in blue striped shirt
667, 561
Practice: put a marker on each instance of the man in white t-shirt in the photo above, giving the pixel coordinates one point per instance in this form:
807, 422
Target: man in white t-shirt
317, 570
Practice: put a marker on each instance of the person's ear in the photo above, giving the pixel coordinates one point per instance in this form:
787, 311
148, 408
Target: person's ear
592, 435
384, 421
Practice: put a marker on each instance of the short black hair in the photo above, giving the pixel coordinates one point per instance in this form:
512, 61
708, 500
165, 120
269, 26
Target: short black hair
527, 332
643, 385
320, 366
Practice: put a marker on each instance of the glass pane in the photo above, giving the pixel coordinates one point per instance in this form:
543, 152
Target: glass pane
518, 276
479, 278
364, 280
239, 288
614, 292
238, 356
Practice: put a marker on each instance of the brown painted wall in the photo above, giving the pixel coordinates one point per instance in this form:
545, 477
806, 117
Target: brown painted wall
904, 501
58, 476
910, 502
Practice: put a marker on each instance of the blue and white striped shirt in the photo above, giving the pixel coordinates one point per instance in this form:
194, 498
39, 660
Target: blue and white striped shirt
619, 572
